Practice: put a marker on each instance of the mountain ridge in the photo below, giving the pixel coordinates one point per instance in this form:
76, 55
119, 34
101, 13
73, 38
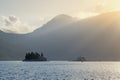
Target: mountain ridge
96, 38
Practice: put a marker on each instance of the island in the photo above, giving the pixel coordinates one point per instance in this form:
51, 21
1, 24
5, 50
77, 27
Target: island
81, 58
31, 56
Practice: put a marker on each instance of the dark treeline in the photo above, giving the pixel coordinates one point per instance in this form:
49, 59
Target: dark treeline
34, 56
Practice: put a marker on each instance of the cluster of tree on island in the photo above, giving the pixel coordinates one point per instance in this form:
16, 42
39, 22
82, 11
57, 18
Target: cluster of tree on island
31, 56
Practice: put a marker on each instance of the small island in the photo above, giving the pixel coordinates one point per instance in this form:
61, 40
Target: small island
31, 56
81, 58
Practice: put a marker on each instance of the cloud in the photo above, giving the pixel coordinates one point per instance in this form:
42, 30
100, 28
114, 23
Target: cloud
106, 6
12, 24
11, 20
99, 8
83, 14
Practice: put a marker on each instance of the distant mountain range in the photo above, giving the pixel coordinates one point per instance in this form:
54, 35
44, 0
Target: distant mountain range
65, 38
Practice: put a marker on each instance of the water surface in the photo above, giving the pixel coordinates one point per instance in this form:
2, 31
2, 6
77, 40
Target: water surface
59, 70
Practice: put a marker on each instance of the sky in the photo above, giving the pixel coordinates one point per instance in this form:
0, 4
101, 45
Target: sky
24, 16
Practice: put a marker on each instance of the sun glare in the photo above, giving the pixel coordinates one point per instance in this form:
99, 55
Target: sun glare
114, 5
83, 15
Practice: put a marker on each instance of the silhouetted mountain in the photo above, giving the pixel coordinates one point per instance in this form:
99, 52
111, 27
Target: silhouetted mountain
64, 38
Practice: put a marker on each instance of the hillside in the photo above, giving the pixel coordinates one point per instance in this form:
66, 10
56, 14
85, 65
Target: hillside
64, 38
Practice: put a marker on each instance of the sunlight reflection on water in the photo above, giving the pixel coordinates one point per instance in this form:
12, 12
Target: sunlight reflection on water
59, 70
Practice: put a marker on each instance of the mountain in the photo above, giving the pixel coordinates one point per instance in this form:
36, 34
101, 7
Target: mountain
65, 38
10, 49
54, 24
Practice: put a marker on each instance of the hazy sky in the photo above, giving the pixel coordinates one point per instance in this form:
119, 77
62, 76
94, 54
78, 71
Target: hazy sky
22, 16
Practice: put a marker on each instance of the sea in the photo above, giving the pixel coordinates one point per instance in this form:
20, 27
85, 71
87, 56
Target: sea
59, 70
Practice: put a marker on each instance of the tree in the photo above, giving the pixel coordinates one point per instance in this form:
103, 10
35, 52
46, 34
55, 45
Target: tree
42, 54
